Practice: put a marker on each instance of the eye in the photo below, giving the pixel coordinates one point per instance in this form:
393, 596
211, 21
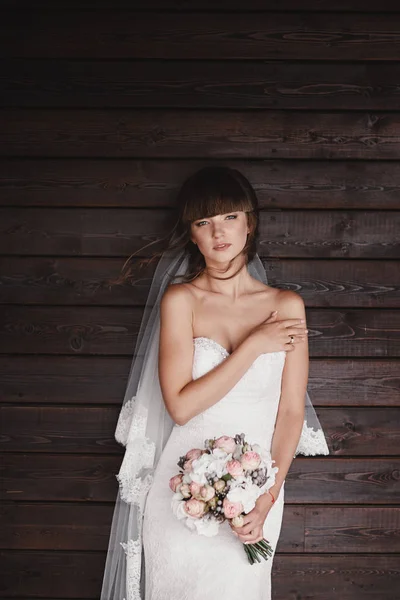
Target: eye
233, 216
200, 223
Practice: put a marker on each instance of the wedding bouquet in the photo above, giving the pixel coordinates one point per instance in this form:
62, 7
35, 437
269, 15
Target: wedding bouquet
222, 482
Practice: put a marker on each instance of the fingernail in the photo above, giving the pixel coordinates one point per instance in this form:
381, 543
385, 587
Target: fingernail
275, 312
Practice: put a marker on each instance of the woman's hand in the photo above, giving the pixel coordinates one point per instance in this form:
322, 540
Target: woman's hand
273, 335
252, 530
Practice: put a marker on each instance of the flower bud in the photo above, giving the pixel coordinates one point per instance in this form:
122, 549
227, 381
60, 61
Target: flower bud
219, 485
238, 521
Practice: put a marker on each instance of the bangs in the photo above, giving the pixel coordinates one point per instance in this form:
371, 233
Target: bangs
213, 191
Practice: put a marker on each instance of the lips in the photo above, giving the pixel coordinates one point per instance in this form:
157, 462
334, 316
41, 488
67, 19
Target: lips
221, 246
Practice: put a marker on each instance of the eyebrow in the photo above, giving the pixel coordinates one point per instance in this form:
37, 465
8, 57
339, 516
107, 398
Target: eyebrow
230, 212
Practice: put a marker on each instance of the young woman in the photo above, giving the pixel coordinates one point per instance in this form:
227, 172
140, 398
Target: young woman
232, 358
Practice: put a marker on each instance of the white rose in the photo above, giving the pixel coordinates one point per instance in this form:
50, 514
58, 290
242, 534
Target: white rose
246, 495
200, 467
207, 527
178, 507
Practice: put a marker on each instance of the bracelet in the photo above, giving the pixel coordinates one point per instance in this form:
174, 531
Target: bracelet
273, 499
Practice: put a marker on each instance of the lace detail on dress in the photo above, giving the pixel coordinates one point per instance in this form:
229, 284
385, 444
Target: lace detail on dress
207, 343
311, 442
133, 551
139, 456
124, 421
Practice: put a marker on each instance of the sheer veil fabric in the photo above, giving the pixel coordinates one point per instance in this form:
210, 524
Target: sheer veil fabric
144, 427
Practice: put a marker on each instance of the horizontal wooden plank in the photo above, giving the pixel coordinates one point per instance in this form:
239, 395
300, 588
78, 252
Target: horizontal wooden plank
322, 184
101, 380
348, 577
163, 35
282, 234
88, 380
78, 477
348, 529
199, 134
113, 330
215, 84
48, 478
304, 529
51, 575
90, 430
78, 575
83, 281
211, 5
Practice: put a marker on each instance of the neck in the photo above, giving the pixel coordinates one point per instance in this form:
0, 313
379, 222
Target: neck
233, 287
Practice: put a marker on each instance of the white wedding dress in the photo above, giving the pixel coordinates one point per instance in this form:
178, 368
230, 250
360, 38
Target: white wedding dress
179, 563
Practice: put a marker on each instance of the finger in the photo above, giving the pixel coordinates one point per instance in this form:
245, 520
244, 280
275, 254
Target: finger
246, 529
247, 526
255, 540
272, 316
289, 347
295, 331
297, 340
251, 538
293, 322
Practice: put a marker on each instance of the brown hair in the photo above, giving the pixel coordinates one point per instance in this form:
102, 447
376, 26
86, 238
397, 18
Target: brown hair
208, 192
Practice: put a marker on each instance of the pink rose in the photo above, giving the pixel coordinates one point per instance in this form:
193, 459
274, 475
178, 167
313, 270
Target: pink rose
185, 490
187, 467
232, 509
195, 508
250, 461
193, 454
195, 490
234, 468
174, 482
225, 443
207, 492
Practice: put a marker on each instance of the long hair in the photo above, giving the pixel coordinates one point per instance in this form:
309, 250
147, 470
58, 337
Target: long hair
208, 192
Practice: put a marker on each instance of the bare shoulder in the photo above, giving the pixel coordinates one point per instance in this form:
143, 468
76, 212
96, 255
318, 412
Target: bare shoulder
177, 296
289, 304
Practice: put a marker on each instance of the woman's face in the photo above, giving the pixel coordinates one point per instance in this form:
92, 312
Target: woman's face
222, 237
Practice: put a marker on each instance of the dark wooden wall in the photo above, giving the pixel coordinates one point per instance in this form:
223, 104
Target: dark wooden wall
104, 112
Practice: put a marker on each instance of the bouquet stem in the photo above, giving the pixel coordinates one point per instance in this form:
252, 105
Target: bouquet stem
257, 551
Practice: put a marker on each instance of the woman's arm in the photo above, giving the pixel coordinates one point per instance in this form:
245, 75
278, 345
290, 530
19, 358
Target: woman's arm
290, 417
289, 422
185, 398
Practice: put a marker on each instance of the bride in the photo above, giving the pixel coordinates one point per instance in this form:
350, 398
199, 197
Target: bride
220, 352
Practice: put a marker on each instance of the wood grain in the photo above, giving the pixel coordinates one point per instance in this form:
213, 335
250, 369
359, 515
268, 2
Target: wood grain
98, 380
82, 527
90, 430
200, 84
58, 575
282, 234
153, 183
369, 6
113, 330
202, 134
83, 281
228, 36
91, 478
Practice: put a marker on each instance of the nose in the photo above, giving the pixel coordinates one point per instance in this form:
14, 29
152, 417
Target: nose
218, 230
